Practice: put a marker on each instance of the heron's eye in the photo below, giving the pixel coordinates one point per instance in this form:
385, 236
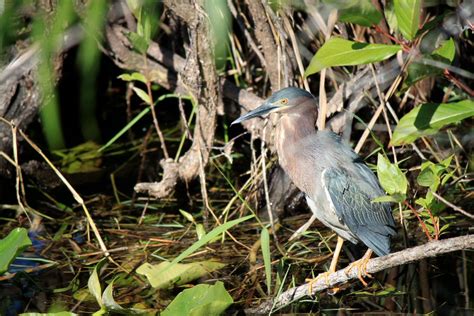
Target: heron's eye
284, 101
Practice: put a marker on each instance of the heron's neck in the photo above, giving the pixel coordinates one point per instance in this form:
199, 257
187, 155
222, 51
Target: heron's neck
292, 131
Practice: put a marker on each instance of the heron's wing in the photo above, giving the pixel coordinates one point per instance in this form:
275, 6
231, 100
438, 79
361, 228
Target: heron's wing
352, 195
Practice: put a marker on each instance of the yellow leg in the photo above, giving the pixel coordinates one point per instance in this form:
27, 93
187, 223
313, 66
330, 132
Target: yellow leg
361, 266
332, 267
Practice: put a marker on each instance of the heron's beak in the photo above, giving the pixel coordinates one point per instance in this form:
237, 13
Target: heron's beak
263, 109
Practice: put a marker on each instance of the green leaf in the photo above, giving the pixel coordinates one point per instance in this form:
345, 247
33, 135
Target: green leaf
408, 17
139, 42
429, 118
361, 12
200, 231
340, 52
135, 76
93, 284
267, 260
112, 307
447, 50
428, 178
178, 274
12, 246
187, 215
143, 95
201, 300
391, 177
108, 299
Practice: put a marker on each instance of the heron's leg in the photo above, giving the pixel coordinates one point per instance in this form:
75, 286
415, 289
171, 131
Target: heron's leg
332, 267
303, 228
361, 266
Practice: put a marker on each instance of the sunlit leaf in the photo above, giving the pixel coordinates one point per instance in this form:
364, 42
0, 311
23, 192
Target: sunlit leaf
178, 274
113, 307
391, 177
201, 300
12, 246
93, 284
134, 76
143, 95
429, 118
447, 50
408, 17
340, 52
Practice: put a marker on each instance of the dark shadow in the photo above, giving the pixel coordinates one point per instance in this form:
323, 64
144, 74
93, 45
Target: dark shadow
425, 114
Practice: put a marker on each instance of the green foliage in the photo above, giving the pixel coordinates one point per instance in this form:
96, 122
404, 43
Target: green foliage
340, 52
201, 300
420, 70
267, 260
88, 63
178, 274
408, 17
147, 23
12, 246
432, 175
47, 32
392, 179
361, 12
429, 118
221, 22
80, 159
105, 300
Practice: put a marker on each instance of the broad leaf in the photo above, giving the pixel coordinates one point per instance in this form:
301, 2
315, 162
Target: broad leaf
429, 118
201, 300
12, 246
391, 177
408, 17
178, 274
340, 52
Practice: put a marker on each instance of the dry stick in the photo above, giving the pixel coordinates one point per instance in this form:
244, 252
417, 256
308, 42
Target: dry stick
451, 205
430, 249
296, 50
76, 196
155, 119
323, 104
19, 177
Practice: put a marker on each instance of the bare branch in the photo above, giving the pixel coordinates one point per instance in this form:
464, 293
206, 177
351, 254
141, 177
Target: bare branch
430, 249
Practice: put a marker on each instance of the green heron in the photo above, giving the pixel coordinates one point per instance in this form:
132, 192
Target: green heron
338, 185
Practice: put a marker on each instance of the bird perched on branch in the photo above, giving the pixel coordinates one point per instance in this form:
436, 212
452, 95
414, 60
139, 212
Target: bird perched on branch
339, 187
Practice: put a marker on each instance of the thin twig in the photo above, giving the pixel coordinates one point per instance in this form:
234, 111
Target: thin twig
451, 205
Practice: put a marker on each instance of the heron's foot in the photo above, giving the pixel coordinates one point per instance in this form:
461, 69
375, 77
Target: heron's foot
324, 275
361, 266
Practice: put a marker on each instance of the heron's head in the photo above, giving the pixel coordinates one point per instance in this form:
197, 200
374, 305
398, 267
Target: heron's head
282, 100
